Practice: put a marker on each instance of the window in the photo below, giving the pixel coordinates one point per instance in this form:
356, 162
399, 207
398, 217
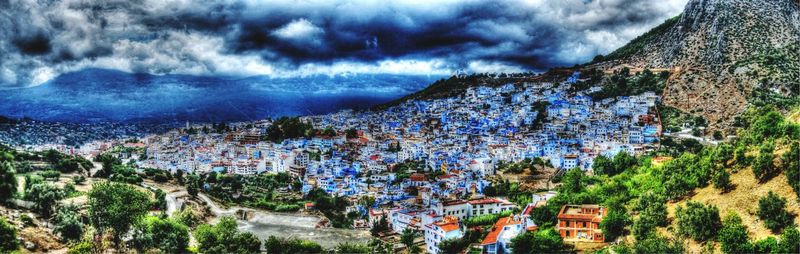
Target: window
567, 233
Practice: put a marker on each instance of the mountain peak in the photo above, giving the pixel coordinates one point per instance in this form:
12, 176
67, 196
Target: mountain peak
719, 51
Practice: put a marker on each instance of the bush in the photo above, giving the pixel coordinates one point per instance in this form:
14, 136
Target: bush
287, 208
698, 221
733, 236
8, 236
613, 225
278, 245
166, 235
224, 237
722, 180
79, 179
658, 244
68, 223
8, 181
772, 210
542, 241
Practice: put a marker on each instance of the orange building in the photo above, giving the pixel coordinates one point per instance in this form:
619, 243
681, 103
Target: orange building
581, 222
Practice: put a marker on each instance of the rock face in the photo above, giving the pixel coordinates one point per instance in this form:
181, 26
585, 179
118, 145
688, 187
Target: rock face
719, 51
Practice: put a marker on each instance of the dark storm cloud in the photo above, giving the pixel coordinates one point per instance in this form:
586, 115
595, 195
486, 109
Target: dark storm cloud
40, 39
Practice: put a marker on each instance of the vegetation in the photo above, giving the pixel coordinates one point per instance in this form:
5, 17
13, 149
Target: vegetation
772, 210
8, 181
637, 44
166, 235
116, 206
407, 238
541, 241
8, 236
224, 237
457, 245
616, 165
289, 128
623, 84
68, 223
698, 221
289, 246
733, 235
44, 197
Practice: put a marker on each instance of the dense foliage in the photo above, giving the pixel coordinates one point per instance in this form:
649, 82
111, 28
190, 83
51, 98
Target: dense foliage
116, 206
698, 221
541, 241
166, 235
8, 181
68, 222
280, 245
623, 84
772, 210
8, 236
289, 128
224, 237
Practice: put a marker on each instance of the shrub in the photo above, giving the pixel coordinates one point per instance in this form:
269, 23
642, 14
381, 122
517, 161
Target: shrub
772, 210
733, 236
8, 236
698, 221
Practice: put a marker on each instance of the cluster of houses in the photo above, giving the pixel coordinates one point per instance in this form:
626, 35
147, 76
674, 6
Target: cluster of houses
462, 139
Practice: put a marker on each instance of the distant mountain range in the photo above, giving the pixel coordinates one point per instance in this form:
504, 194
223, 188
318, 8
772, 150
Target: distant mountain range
106, 95
719, 51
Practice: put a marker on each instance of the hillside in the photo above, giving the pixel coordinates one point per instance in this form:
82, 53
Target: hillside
742, 200
719, 51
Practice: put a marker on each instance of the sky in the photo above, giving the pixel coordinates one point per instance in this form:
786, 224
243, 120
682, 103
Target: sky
40, 40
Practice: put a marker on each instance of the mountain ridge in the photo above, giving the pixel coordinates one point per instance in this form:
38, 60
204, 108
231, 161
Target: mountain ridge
719, 51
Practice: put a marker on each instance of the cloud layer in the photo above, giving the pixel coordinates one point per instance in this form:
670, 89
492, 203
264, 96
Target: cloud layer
41, 39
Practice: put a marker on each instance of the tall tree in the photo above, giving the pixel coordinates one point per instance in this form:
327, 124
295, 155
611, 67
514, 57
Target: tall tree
116, 206
8, 181
166, 235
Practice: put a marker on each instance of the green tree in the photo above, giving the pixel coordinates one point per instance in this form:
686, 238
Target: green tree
166, 235
722, 180
407, 238
379, 226
8, 181
224, 237
602, 165
68, 223
763, 167
44, 197
352, 248
698, 221
772, 210
658, 244
116, 206
281, 245
790, 162
766, 245
733, 236
613, 225
8, 236
572, 181
542, 241
790, 241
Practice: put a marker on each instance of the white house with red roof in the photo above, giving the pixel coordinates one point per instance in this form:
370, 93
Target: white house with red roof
435, 233
499, 238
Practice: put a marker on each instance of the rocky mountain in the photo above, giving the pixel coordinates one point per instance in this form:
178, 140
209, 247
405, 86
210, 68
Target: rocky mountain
719, 51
